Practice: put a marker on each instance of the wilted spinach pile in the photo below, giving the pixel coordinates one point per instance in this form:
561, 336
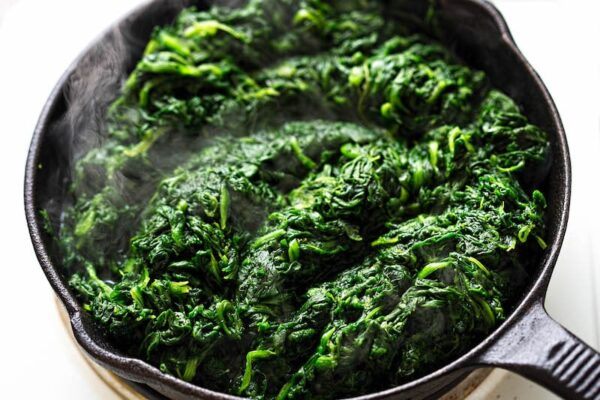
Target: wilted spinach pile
303, 199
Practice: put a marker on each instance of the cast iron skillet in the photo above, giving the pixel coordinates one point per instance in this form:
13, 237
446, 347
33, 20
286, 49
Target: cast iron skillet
529, 342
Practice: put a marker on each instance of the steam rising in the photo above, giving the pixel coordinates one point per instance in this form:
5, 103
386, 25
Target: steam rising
286, 203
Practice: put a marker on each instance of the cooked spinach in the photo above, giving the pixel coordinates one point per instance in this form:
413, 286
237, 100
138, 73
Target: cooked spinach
303, 199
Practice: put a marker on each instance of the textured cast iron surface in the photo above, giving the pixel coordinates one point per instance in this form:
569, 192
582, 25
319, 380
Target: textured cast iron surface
541, 349
528, 342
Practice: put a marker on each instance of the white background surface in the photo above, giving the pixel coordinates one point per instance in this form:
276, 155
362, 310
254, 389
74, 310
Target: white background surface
39, 39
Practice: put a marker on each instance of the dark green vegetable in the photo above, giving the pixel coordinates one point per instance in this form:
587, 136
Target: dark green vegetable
304, 199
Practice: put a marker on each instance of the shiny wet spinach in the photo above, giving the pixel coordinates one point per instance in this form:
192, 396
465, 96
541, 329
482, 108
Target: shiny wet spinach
303, 199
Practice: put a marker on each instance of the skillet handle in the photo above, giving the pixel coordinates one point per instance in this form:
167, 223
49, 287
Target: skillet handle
540, 349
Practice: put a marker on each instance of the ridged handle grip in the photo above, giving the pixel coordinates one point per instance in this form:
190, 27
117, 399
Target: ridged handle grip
540, 349
577, 367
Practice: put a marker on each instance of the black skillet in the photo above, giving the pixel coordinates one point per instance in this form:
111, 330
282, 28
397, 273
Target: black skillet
529, 342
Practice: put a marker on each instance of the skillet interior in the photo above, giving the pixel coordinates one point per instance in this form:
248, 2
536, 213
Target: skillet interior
475, 32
